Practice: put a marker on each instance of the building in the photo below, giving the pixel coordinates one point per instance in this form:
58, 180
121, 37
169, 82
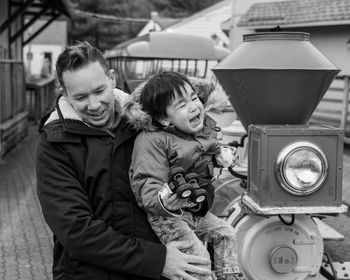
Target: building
45, 48
157, 24
207, 23
238, 10
215, 22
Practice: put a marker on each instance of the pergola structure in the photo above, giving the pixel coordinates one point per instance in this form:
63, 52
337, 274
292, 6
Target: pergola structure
22, 14
16, 17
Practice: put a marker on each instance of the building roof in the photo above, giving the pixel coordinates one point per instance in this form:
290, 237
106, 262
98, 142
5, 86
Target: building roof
226, 25
166, 22
157, 24
206, 23
297, 13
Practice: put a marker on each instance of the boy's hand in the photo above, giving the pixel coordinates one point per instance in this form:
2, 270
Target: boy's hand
228, 156
189, 204
172, 202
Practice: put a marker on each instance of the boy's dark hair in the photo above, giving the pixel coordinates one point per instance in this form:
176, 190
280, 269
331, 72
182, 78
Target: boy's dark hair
77, 56
159, 91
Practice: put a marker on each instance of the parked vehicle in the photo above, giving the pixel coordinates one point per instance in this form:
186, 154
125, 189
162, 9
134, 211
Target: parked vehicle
136, 60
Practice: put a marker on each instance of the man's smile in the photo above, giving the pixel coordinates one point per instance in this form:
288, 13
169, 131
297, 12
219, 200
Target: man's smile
96, 115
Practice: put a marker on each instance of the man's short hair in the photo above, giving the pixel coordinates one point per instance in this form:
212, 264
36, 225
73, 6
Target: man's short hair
77, 56
159, 91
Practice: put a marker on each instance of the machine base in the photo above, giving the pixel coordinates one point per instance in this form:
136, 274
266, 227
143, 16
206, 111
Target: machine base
275, 210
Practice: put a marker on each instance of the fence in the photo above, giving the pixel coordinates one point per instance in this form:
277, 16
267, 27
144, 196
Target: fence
13, 114
40, 96
12, 98
20, 101
334, 107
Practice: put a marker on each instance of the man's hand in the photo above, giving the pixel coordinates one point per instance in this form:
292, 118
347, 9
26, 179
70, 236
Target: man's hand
178, 264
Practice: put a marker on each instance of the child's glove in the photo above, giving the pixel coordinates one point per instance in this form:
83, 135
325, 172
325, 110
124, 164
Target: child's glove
189, 204
171, 202
169, 199
228, 156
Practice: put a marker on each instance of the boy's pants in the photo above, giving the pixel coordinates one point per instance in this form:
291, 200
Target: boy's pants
199, 229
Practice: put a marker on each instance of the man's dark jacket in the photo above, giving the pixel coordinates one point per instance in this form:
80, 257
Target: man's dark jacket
85, 195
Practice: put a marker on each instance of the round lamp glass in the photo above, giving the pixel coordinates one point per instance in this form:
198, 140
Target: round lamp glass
302, 168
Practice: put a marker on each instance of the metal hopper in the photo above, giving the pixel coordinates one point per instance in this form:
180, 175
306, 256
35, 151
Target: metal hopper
275, 78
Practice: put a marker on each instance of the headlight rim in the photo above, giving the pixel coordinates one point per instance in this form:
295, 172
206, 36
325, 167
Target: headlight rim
284, 155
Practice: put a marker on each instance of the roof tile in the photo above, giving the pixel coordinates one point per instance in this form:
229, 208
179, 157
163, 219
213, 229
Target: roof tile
295, 12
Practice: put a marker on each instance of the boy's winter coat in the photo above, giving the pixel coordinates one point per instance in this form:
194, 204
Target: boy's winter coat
84, 190
157, 151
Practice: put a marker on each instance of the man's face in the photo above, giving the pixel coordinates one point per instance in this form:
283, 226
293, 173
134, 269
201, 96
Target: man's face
186, 113
90, 91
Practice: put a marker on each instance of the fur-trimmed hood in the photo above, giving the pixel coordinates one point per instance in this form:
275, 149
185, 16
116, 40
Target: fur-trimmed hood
68, 112
212, 96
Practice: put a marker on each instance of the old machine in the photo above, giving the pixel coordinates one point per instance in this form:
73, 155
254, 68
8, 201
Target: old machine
275, 81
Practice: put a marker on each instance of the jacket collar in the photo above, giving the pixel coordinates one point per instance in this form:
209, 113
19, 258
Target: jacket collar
71, 122
212, 96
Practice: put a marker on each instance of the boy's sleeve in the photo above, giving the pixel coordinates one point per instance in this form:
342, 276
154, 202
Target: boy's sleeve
149, 171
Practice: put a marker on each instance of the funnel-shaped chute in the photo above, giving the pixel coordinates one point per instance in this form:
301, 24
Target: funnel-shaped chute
275, 78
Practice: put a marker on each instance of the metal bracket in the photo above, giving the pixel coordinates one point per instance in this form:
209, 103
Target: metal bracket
342, 270
269, 210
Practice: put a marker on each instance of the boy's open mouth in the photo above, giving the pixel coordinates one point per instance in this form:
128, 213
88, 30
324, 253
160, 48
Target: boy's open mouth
195, 119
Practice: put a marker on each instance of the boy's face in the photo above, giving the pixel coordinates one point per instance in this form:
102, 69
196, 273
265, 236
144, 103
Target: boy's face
186, 113
90, 91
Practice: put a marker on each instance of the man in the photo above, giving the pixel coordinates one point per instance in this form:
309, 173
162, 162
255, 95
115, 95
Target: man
83, 154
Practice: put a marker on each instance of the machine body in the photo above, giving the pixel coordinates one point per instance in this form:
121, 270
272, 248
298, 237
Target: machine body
275, 80
296, 166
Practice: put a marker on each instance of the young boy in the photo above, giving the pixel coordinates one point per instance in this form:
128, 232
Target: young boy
177, 133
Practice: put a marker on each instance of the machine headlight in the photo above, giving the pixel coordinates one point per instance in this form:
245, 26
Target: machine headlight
301, 168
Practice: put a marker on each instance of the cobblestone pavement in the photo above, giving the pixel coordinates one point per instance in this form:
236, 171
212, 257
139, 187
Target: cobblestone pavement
25, 240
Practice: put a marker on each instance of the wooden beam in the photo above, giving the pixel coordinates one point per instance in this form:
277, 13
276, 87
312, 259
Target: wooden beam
34, 5
28, 24
30, 14
15, 15
69, 5
41, 29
